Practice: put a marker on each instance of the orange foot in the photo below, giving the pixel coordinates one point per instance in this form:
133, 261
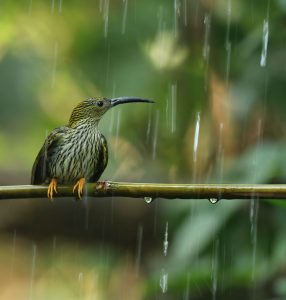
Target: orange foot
52, 188
79, 187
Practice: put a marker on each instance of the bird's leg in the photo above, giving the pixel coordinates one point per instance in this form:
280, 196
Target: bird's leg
52, 188
79, 187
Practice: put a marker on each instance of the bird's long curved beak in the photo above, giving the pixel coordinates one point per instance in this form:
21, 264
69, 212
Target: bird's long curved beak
121, 100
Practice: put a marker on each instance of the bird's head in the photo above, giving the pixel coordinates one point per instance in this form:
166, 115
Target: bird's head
91, 110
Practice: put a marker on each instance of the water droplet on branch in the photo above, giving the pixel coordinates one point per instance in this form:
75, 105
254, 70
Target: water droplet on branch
148, 199
213, 200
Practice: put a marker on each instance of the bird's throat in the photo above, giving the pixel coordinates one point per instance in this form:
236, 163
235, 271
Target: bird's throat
85, 124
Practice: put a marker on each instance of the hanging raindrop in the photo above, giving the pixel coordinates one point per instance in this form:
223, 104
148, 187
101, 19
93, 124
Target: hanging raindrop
213, 200
148, 199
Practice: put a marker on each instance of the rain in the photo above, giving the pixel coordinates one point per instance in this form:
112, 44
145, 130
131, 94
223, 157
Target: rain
216, 73
206, 46
166, 243
164, 281
125, 7
264, 43
54, 70
33, 266
139, 249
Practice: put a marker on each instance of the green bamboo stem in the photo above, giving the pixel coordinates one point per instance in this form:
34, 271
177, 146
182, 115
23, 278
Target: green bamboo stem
154, 190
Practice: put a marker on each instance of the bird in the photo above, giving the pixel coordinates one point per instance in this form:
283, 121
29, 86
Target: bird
76, 153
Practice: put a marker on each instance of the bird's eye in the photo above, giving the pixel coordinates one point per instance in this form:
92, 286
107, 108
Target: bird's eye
99, 103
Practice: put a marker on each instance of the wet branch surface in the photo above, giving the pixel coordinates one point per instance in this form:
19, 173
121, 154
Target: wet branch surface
153, 191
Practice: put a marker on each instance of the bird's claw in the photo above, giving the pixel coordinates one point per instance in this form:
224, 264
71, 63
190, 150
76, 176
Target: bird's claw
52, 188
79, 187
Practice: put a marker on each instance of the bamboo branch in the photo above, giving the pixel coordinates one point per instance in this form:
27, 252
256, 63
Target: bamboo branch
150, 191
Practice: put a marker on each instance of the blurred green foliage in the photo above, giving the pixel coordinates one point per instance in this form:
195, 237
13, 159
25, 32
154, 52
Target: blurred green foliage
219, 117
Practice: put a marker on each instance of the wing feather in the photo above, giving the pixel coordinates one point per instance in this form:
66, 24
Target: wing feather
102, 159
40, 171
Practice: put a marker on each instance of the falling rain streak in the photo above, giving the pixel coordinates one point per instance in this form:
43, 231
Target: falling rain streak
165, 243
187, 292
206, 46
59, 6
54, 248
125, 6
155, 135
86, 210
149, 125
265, 37
164, 281
34, 255
196, 137
173, 107
56, 50
117, 129
13, 254
111, 123
254, 204
30, 7
195, 147
254, 207
139, 249
80, 281
52, 6
215, 269
176, 15
228, 42
220, 154
185, 12
104, 9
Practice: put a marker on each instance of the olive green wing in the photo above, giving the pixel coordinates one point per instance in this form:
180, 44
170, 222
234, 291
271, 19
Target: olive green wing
40, 171
102, 159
